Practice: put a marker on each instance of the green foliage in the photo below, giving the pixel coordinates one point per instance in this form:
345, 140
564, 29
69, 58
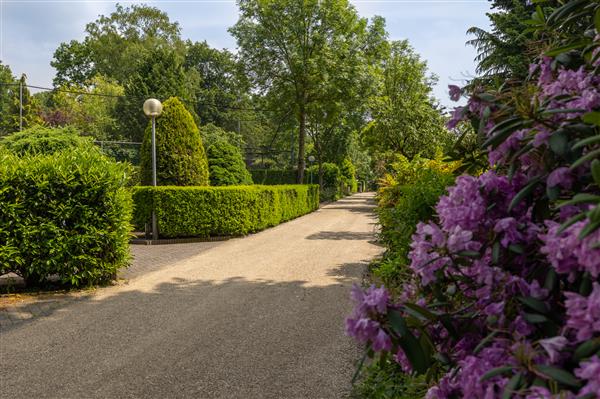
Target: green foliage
273, 176
212, 134
348, 172
65, 214
404, 119
221, 211
407, 197
226, 165
45, 140
10, 103
160, 76
386, 380
330, 180
304, 54
115, 45
93, 115
180, 156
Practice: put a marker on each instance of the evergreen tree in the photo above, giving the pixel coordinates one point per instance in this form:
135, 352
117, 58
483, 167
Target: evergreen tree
226, 165
180, 156
160, 76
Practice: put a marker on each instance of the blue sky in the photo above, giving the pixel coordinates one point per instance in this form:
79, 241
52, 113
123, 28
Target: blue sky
30, 30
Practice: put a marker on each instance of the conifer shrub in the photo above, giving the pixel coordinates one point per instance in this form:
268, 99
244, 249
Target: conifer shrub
180, 156
226, 165
65, 214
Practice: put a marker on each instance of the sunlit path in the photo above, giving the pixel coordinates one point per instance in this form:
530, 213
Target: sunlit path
260, 316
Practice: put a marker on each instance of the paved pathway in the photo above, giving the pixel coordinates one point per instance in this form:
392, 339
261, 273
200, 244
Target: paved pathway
256, 317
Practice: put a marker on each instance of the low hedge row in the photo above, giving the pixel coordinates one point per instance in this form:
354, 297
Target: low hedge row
221, 211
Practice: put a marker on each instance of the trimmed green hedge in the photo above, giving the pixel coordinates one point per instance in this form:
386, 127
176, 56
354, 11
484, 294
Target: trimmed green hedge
221, 211
65, 214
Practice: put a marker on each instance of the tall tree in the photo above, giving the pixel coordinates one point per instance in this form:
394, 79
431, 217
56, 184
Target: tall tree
116, 45
17, 105
161, 76
292, 47
404, 116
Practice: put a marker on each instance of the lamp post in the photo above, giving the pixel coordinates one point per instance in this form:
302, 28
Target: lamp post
152, 109
311, 159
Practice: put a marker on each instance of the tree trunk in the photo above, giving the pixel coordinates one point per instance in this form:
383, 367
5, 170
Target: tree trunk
301, 139
320, 175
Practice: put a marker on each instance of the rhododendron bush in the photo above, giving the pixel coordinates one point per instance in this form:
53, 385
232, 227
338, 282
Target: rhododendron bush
504, 298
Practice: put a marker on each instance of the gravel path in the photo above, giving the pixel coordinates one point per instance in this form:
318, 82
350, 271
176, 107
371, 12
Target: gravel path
255, 317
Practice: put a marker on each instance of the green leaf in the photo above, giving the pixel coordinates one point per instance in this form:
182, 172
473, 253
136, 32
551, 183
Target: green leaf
496, 252
524, 193
516, 248
571, 221
563, 49
559, 142
587, 157
410, 345
586, 349
586, 141
588, 229
551, 279
503, 133
559, 375
421, 311
583, 198
534, 318
596, 171
592, 118
496, 372
512, 386
597, 20
534, 304
483, 343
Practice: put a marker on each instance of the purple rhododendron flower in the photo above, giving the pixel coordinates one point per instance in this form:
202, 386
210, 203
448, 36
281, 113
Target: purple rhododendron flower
590, 371
382, 341
583, 313
561, 177
553, 346
568, 253
458, 114
455, 92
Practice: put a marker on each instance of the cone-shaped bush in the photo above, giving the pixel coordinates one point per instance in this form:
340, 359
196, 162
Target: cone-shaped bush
180, 156
226, 165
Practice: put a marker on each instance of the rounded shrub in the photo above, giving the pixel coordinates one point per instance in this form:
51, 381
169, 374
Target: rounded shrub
65, 214
180, 156
226, 165
45, 140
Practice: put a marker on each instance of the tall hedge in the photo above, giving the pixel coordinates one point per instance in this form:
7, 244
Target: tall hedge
226, 165
180, 156
66, 214
221, 211
45, 140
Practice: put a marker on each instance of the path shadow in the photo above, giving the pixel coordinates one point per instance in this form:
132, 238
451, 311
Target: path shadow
190, 338
341, 235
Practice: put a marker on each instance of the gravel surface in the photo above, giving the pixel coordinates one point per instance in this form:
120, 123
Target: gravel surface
255, 317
